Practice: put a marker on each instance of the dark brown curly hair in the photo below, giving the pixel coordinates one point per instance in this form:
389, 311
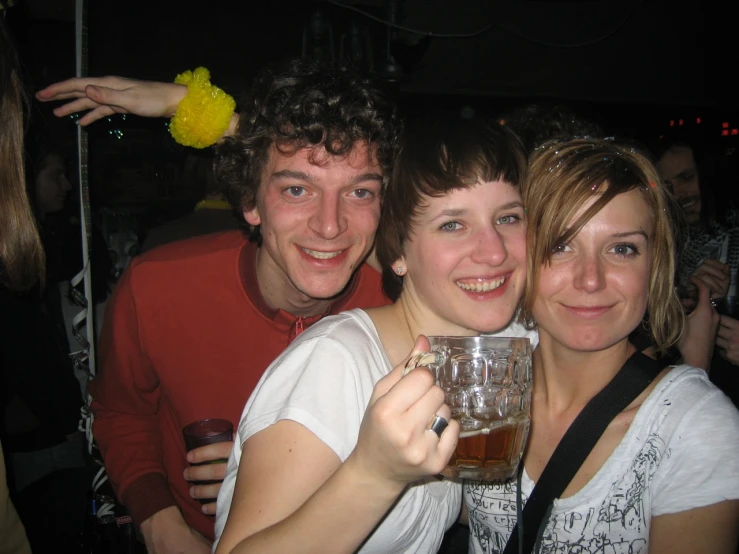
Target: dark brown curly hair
304, 104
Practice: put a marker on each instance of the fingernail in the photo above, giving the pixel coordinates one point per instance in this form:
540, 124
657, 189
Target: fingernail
189, 457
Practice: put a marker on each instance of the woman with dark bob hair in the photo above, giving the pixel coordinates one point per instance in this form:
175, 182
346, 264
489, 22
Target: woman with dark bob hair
663, 477
325, 463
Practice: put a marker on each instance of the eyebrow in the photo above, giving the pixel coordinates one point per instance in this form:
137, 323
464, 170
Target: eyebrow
627, 234
456, 212
302, 176
685, 173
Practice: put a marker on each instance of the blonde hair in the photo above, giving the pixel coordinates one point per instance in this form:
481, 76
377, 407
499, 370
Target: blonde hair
562, 178
21, 251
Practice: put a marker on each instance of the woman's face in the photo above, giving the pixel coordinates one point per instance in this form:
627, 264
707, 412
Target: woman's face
466, 259
52, 185
594, 292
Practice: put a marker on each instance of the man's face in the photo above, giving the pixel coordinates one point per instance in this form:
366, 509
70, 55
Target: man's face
680, 174
52, 185
318, 215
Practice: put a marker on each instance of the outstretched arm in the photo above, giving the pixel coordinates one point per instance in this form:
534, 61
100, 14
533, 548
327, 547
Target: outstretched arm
105, 96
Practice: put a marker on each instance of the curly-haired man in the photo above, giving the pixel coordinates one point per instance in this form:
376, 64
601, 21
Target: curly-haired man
192, 325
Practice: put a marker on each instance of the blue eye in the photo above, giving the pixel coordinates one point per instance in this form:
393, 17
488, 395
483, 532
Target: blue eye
508, 219
451, 226
625, 250
295, 191
362, 193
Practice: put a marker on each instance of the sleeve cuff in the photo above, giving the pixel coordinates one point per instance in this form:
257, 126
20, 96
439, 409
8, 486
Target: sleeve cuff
146, 496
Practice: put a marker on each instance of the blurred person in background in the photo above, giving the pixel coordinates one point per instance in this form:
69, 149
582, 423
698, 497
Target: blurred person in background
708, 246
537, 123
211, 214
21, 251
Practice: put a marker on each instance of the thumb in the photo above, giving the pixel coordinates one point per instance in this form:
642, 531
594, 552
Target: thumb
386, 383
704, 291
421, 347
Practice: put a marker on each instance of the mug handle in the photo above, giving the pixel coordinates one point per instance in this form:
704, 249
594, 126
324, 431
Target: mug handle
425, 359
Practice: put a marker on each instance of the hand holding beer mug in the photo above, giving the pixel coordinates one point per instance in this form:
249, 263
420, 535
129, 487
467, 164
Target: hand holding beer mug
487, 384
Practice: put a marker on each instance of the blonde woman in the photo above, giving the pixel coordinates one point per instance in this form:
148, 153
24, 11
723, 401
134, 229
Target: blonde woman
664, 476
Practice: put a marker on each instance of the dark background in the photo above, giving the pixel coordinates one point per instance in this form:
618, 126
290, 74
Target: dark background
638, 67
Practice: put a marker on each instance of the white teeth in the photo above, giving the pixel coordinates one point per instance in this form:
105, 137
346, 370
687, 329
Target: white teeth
481, 287
321, 255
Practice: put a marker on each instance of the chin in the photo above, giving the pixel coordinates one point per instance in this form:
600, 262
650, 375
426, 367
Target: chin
324, 291
487, 325
591, 345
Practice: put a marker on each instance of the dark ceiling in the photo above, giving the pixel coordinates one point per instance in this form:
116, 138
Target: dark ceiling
633, 65
617, 51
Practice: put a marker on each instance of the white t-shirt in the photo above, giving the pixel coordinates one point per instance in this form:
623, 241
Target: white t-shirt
680, 452
324, 381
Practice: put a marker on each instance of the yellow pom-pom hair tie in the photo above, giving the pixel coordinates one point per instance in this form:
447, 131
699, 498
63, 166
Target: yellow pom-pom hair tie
204, 114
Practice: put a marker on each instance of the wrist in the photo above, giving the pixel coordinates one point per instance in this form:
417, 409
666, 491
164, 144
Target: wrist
204, 115
176, 95
381, 486
166, 522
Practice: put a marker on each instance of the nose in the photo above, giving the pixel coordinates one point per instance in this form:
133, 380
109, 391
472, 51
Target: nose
65, 184
490, 248
327, 221
590, 274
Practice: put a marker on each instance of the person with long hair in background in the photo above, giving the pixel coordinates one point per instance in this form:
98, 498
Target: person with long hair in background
21, 252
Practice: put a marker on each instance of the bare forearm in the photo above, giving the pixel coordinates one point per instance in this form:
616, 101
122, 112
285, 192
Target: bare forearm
337, 518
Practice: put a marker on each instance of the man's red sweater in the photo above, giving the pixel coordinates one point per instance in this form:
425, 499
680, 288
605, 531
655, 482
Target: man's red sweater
186, 336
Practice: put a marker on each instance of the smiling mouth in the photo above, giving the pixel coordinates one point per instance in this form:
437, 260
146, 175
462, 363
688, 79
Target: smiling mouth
485, 286
688, 203
321, 255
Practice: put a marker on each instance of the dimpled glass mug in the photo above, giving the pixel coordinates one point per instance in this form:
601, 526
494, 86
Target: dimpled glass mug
487, 384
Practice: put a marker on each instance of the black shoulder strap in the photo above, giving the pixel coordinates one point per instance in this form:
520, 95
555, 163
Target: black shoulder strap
636, 374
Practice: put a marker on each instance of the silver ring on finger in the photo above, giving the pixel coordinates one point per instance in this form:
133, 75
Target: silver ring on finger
438, 424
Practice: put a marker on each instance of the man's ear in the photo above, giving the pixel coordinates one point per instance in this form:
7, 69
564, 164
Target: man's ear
252, 217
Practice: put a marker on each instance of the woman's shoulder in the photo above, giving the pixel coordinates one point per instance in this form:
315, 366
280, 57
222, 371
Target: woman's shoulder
686, 381
345, 327
347, 339
685, 397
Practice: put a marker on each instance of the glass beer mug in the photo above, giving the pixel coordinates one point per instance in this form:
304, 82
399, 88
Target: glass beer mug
487, 385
